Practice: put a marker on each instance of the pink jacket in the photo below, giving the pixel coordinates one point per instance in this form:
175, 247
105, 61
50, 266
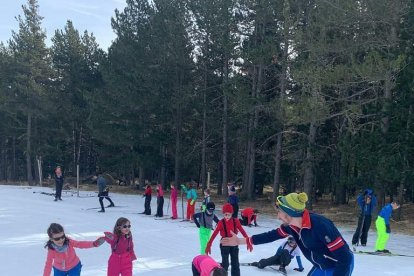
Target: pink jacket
160, 191
174, 195
121, 245
204, 264
66, 260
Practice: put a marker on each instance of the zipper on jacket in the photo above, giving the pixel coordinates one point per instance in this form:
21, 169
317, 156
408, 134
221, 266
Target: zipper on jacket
303, 242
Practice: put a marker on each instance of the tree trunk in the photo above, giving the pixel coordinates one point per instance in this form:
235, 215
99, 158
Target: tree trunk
224, 179
141, 177
13, 174
28, 150
177, 147
308, 176
278, 157
204, 142
163, 166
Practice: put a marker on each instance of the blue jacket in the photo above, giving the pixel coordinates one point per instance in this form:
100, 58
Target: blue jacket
386, 213
101, 183
318, 239
367, 209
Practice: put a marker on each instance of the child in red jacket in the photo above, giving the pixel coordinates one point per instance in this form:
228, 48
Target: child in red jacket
226, 226
120, 261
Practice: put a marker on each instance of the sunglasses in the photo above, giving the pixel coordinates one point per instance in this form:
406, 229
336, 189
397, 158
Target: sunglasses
59, 238
125, 226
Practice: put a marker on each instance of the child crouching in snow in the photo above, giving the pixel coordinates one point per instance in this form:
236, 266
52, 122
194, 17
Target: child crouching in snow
61, 253
204, 265
120, 261
226, 226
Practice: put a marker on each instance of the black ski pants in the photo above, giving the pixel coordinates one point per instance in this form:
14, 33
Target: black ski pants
147, 205
364, 223
103, 195
160, 206
233, 252
282, 258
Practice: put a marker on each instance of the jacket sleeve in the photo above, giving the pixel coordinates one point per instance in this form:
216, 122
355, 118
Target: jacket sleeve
132, 252
270, 236
360, 201
193, 194
49, 261
216, 231
196, 218
240, 228
216, 220
82, 244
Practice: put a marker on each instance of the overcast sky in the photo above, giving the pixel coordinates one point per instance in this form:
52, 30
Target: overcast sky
91, 15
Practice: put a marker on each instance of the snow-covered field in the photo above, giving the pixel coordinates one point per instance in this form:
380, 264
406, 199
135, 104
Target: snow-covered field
163, 247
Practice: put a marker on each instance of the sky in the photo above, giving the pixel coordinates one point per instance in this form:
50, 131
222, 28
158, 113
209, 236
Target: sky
91, 15
163, 247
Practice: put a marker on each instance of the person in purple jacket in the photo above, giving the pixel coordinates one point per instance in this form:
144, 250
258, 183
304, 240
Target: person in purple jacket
383, 226
316, 236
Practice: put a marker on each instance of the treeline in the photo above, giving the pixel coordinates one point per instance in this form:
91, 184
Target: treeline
308, 95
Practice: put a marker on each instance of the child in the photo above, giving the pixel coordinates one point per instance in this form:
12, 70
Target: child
226, 226
147, 204
191, 199
120, 261
383, 226
203, 265
61, 252
173, 200
59, 183
283, 257
234, 201
248, 215
204, 221
160, 201
206, 199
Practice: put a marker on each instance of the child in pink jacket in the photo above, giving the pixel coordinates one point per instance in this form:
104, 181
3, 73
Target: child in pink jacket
120, 261
61, 253
204, 265
173, 201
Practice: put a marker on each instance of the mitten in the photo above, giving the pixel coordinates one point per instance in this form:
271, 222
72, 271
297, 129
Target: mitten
249, 244
299, 269
208, 248
182, 186
388, 228
99, 241
192, 202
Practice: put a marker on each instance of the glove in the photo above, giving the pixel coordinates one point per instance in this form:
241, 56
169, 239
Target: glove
208, 249
249, 244
192, 202
109, 236
299, 269
388, 228
99, 241
182, 186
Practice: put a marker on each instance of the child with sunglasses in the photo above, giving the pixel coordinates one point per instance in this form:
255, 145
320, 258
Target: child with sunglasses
61, 253
227, 227
120, 261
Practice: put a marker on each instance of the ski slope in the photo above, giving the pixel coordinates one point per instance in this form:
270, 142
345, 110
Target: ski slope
163, 247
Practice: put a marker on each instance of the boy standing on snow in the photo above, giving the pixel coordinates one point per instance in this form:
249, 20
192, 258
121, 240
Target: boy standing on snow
204, 221
226, 227
383, 226
367, 202
234, 201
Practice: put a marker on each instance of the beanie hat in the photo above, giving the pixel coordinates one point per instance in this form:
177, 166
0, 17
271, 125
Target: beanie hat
227, 208
233, 189
211, 206
292, 204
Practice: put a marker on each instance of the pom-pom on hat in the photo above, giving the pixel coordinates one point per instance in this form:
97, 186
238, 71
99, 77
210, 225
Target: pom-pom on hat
227, 208
292, 204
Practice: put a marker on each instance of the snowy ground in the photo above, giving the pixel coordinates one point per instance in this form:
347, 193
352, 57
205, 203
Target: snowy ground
163, 247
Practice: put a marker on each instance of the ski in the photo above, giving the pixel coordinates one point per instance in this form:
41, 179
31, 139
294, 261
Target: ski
95, 208
383, 254
271, 267
162, 218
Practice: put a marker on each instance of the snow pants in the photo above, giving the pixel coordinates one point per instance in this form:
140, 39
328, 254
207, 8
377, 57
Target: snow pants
75, 271
282, 257
364, 223
160, 206
147, 205
120, 264
190, 209
58, 186
233, 252
174, 208
204, 234
383, 236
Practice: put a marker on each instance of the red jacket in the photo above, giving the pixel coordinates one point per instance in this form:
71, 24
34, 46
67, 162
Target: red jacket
249, 213
225, 228
148, 191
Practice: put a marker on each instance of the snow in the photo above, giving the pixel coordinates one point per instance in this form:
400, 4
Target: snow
163, 247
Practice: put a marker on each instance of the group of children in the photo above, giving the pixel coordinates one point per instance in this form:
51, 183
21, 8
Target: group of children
61, 255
